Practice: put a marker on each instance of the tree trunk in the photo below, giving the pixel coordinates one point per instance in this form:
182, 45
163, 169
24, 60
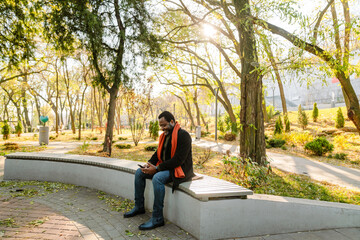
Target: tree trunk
111, 120
25, 106
37, 104
276, 70
81, 109
264, 108
188, 110
71, 113
92, 109
252, 138
197, 108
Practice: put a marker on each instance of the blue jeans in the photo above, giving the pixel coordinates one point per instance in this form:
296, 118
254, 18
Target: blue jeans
159, 180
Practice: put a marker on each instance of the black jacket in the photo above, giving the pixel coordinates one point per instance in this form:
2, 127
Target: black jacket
182, 157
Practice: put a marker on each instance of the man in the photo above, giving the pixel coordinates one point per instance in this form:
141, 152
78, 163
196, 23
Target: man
172, 162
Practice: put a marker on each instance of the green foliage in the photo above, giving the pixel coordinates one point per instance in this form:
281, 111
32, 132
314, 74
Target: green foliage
278, 126
123, 146
225, 124
150, 148
94, 138
8, 222
52, 137
18, 128
85, 146
18, 28
299, 113
221, 126
151, 124
245, 172
155, 130
275, 143
204, 134
5, 130
270, 111
319, 146
122, 138
340, 156
109, 30
315, 113
339, 121
287, 123
302, 117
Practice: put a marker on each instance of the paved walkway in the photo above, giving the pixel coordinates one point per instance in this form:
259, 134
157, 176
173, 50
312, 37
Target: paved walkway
342, 176
80, 213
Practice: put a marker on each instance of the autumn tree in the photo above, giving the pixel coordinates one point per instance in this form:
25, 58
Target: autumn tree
116, 33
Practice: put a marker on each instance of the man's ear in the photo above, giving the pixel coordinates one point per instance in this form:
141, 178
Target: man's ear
172, 123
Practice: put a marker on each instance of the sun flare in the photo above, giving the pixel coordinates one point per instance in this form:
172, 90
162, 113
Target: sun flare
209, 30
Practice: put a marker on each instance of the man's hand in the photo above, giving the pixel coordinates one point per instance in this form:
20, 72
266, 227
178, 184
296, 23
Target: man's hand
149, 169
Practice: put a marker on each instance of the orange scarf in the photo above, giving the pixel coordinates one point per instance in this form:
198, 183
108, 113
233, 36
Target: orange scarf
179, 173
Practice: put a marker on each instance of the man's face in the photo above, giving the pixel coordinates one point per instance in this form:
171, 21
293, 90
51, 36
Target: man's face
165, 125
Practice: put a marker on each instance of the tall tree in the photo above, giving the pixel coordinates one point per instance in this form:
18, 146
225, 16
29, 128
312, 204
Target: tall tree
18, 28
336, 57
113, 31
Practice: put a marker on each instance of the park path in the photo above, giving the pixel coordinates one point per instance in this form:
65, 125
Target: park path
342, 176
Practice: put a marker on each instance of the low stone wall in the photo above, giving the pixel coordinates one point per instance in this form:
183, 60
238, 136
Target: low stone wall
208, 208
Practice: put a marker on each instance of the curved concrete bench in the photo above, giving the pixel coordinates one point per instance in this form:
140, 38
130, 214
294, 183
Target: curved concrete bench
208, 208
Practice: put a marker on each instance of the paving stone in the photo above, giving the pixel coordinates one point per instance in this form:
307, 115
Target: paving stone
351, 233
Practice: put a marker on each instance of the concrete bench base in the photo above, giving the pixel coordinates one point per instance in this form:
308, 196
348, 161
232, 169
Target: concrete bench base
205, 216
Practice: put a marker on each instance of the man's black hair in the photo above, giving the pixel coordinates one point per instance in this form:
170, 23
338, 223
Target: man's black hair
167, 115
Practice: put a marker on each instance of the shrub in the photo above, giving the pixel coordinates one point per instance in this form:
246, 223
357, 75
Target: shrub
201, 158
245, 172
319, 146
151, 148
304, 120
298, 138
122, 138
220, 126
123, 146
18, 128
151, 124
302, 117
94, 138
52, 137
287, 123
283, 147
230, 136
339, 121
299, 114
315, 113
85, 146
278, 126
11, 146
270, 111
204, 134
5, 131
275, 143
155, 130
340, 156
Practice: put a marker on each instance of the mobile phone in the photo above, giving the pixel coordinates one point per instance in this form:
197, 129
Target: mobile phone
140, 166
